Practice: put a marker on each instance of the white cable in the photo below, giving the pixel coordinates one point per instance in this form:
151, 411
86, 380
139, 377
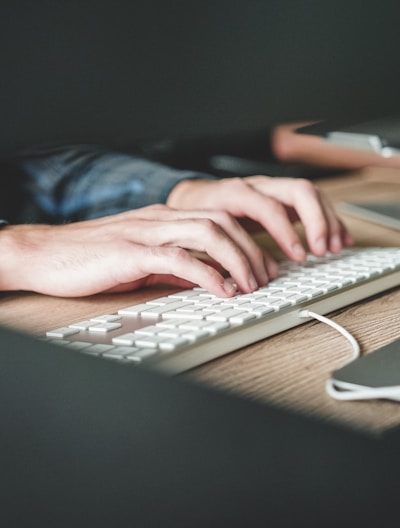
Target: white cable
352, 392
365, 393
336, 326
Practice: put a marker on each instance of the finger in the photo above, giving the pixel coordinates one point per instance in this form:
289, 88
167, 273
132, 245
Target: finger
130, 225
324, 229
271, 265
271, 215
314, 212
339, 235
159, 230
152, 280
166, 262
247, 198
205, 235
240, 237
241, 257
268, 267
287, 188
318, 219
334, 239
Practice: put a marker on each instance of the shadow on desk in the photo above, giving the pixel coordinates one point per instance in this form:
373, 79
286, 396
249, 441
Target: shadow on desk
89, 443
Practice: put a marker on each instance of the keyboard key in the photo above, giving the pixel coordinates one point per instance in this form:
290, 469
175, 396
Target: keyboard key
148, 341
187, 315
226, 315
78, 345
97, 349
107, 318
104, 327
62, 332
125, 339
168, 345
119, 352
148, 330
82, 325
138, 356
137, 309
156, 311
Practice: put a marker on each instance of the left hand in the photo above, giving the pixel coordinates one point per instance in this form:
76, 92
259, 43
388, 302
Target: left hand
275, 204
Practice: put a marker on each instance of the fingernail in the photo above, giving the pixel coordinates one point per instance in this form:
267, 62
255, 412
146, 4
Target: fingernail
229, 287
253, 283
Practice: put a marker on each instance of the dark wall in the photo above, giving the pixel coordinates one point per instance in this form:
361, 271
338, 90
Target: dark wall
113, 70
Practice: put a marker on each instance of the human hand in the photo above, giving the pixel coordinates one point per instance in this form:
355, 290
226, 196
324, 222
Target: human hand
274, 204
312, 150
131, 250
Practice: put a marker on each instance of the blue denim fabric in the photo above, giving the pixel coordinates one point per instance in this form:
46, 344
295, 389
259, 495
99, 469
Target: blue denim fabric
80, 182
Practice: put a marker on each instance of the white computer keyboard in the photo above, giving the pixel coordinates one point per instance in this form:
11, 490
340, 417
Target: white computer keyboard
188, 328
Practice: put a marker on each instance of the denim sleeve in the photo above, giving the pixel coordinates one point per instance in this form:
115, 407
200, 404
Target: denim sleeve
81, 182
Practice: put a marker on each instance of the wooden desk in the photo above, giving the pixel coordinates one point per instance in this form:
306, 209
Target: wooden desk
289, 369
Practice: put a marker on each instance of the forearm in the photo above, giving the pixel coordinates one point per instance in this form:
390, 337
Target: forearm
14, 259
83, 182
290, 147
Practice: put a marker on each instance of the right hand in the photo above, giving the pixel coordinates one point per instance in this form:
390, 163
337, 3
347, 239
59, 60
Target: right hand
130, 250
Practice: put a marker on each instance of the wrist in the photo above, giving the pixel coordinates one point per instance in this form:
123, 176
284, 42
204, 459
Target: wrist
187, 194
9, 262
17, 244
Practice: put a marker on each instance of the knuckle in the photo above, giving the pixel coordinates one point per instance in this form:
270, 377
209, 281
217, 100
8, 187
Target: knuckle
275, 207
222, 218
178, 253
208, 226
236, 184
169, 256
306, 186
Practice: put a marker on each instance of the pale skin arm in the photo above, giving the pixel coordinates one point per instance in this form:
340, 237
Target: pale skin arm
131, 250
290, 147
152, 245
